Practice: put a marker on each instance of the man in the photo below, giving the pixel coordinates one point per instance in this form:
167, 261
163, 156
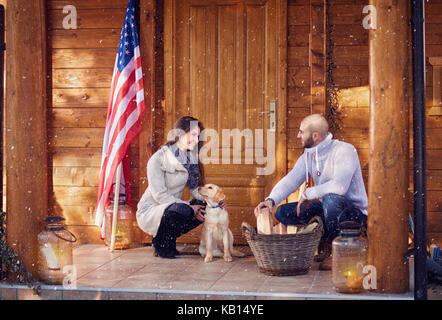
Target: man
338, 184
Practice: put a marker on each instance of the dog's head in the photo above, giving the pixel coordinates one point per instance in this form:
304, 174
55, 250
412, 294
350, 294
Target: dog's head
212, 194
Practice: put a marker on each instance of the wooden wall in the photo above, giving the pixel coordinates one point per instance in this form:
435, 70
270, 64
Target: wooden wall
350, 56
81, 67
351, 77
433, 48
298, 76
82, 63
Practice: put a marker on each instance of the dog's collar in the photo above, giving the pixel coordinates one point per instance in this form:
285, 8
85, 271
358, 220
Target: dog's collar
217, 206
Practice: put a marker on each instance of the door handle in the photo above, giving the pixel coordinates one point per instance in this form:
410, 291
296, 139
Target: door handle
272, 113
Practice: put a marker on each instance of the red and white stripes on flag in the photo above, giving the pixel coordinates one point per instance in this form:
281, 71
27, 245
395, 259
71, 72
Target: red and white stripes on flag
126, 104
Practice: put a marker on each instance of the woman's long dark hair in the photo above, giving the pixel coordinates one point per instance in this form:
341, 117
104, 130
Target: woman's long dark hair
183, 124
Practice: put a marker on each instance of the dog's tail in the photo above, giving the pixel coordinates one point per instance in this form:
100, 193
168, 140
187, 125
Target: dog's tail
236, 253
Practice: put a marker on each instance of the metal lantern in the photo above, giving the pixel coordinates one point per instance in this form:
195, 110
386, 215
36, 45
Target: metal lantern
55, 250
124, 235
349, 256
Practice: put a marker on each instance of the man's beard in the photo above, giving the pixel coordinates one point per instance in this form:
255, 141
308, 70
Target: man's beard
309, 142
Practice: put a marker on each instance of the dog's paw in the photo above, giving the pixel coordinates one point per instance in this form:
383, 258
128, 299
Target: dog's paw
208, 259
228, 258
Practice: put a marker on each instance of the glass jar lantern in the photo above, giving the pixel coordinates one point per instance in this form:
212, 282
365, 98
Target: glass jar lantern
349, 256
124, 233
55, 250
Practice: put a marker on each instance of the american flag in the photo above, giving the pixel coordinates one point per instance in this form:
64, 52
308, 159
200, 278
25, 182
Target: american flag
126, 104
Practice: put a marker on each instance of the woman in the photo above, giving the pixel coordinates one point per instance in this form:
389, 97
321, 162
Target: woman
161, 212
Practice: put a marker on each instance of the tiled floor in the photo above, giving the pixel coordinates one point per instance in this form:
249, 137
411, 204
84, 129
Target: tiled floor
137, 274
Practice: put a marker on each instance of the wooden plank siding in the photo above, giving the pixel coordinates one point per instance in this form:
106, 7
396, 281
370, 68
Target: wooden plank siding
298, 77
81, 70
433, 48
351, 76
350, 56
81, 63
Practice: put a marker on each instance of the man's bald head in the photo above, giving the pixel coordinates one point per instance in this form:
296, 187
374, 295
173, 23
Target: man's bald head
316, 123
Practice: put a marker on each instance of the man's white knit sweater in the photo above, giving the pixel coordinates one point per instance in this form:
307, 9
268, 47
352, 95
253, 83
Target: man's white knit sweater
335, 168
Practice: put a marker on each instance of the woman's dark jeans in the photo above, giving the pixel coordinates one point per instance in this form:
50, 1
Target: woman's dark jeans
333, 209
178, 219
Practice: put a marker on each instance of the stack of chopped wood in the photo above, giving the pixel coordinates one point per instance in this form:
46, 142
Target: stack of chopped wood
264, 223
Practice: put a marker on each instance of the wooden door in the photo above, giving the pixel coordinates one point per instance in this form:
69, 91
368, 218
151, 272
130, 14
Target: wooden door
225, 64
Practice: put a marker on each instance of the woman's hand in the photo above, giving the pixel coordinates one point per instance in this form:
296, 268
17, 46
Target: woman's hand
199, 211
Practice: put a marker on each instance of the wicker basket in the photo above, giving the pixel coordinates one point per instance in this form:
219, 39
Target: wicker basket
283, 255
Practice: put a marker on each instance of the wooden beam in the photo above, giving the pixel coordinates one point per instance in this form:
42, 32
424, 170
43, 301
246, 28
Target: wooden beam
147, 134
147, 48
281, 135
25, 119
389, 145
317, 56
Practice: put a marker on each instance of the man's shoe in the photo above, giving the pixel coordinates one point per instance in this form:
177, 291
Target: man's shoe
326, 264
324, 252
321, 257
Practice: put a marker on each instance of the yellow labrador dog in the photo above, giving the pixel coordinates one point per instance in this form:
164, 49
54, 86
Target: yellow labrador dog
216, 237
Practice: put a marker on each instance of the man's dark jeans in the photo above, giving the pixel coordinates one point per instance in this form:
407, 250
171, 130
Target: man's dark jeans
333, 209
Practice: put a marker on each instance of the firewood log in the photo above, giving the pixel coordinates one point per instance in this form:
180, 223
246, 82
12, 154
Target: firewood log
264, 221
280, 229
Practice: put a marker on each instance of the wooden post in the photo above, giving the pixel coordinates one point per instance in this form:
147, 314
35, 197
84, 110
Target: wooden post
25, 121
389, 145
147, 134
317, 56
147, 49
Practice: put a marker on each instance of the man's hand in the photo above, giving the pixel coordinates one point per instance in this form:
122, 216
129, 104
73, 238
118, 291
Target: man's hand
300, 202
265, 204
